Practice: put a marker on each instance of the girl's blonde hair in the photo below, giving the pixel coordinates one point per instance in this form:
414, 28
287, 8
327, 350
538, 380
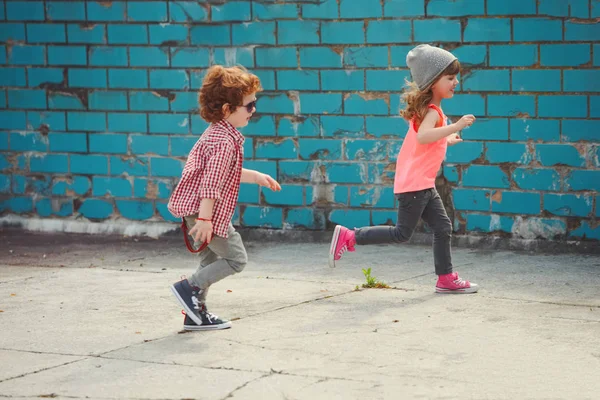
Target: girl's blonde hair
417, 101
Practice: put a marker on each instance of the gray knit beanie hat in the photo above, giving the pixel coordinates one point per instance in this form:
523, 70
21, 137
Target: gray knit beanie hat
426, 63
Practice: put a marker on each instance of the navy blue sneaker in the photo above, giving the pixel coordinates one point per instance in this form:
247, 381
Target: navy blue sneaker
210, 322
189, 298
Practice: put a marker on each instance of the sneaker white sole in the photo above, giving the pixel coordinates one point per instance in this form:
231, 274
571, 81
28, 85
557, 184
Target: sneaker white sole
334, 240
457, 291
185, 307
207, 327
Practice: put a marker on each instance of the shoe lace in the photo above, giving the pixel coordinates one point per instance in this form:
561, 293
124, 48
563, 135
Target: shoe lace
460, 281
342, 250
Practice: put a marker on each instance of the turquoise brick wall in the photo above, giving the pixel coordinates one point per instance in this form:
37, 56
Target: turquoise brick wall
98, 108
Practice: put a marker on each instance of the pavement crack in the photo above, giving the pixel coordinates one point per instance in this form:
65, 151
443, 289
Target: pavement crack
230, 395
554, 303
41, 370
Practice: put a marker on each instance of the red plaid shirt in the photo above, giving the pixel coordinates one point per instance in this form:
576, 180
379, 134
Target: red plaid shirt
213, 170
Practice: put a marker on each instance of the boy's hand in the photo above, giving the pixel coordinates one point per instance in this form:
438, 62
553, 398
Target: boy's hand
202, 231
465, 121
266, 181
453, 139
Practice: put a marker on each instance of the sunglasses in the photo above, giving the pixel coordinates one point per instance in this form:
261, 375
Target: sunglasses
250, 106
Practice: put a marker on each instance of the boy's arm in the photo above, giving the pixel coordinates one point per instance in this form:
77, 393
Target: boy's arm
428, 133
213, 178
252, 176
249, 175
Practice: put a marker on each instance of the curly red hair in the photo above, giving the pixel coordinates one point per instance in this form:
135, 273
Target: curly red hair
223, 85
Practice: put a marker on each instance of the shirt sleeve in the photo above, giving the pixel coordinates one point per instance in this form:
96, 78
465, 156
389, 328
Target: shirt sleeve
215, 170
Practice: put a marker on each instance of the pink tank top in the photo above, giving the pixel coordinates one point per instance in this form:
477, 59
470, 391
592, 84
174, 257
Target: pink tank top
418, 164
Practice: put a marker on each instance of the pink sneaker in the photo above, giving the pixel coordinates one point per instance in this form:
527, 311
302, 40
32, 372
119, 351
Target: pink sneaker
343, 240
452, 283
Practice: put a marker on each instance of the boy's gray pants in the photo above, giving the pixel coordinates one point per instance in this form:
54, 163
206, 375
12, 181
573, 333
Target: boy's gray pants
221, 258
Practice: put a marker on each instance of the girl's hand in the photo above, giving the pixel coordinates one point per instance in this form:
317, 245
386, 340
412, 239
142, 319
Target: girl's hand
465, 121
266, 181
453, 139
202, 231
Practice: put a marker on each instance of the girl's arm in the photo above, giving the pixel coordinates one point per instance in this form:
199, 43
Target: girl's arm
428, 133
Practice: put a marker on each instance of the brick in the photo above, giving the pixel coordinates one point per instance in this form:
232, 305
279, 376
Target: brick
437, 30
108, 143
249, 194
55, 121
346, 32
2, 54
4, 184
319, 149
594, 106
531, 129
568, 204
231, 11
50, 163
295, 171
127, 122
94, 34
562, 106
185, 102
464, 153
327, 9
358, 218
249, 148
378, 197
346, 173
539, 228
127, 78
468, 55
462, 104
497, 80
266, 167
28, 99
169, 123
576, 130
398, 55
305, 218
106, 11
369, 150
564, 8
487, 30
12, 31
346, 80
157, 188
3, 140
389, 31
169, 79
319, 57
231, 56
583, 180
403, 8
520, 55
559, 154
597, 55
536, 179
4, 163
386, 80
127, 34
46, 207
359, 105
290, 195
346, 126
142, 11
12, 77
297, 80
132, 166
88, 78
511, 7
65, 11
508, 153
535, 80
260, 126
25, 10
96, 209
275, 11
537, 29
187, 11
276, 104
212, 35
164, 212
581, 80
511, 105
586, 231
89, 164
113, 56
320, 103
279, 150
363, 9
67, 55
554, 55
27, 55
265, 217
457, 8
46, 33
189, 57
486, 176
305, 127
253, 33
366, 56
386, 126
181, 146
489, 223
166, 167
113, 187
17, 205
68, 142
135, 210
297, 32
108, 100
516, 202
167, 34
148, 57
580, 31
28, 142
86, 121
3, 98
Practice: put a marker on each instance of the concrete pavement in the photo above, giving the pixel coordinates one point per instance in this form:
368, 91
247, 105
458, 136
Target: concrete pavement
93, 317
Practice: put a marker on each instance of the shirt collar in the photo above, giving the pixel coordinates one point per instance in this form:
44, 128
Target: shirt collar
229, 128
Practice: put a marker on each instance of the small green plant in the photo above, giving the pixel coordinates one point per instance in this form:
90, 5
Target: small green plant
372, 282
